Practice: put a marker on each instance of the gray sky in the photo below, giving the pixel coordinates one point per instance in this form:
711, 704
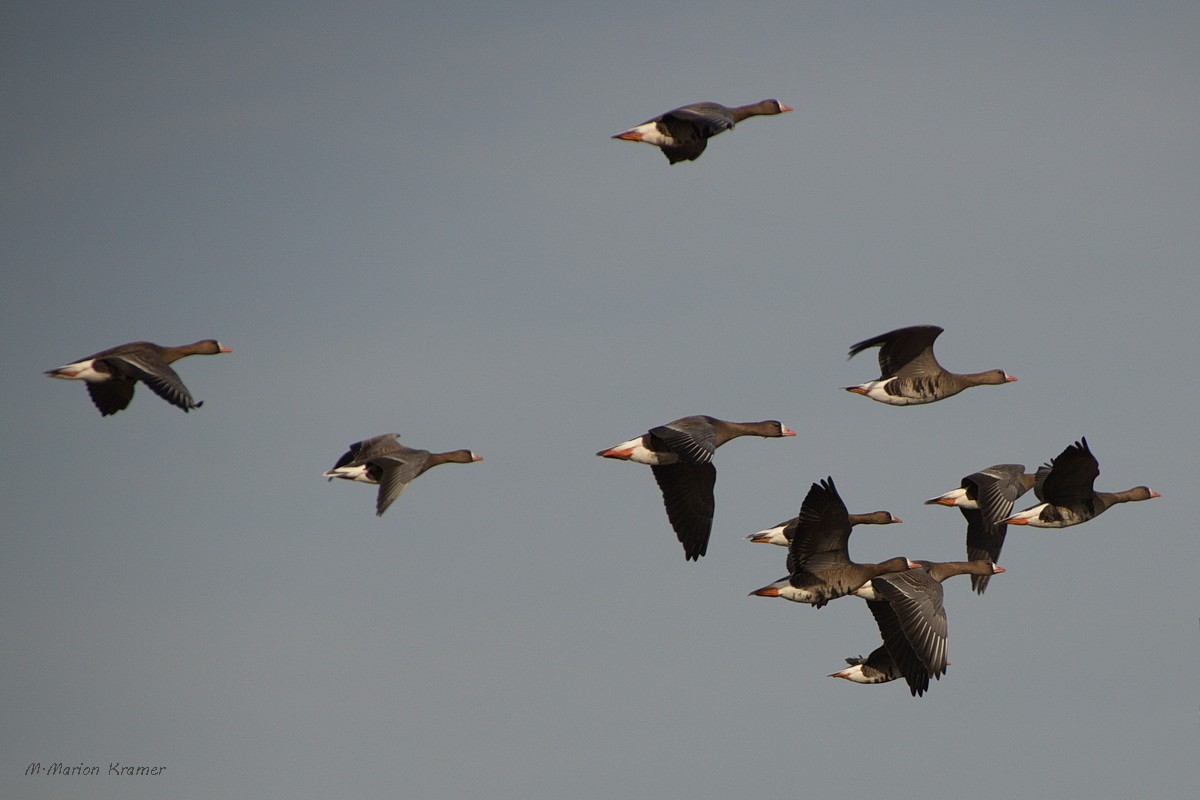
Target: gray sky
410, 218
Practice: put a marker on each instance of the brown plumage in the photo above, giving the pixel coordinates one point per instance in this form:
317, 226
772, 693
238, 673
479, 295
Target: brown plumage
782, 533
384, 461
819, 565
986, 499
680, 455
1067, 492
683, 133
908, 609
111, 374
910, 375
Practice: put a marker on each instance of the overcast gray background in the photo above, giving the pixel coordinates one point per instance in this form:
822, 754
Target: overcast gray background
410, 218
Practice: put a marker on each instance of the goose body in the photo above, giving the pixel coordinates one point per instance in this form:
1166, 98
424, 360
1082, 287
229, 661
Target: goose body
1067, 493
819, 565
111, 374
911, 374
683, 133
939, 571
911, 617
986, 499
875, 668
680, 455
384, 461
782, 533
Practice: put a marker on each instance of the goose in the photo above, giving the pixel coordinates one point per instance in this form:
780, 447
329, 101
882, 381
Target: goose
384, 461
818, 562
1067, 493
939, 571
911, 374
680, 456
782, 533
683, 133
110, 375
986, 499
908, 609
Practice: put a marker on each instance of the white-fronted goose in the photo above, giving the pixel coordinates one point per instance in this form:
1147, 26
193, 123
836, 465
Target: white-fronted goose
683, 133
875, 668
383, 460
819, 565
939, 571
912, 622
908, 609
782, 533
680, 455
910, 373
111, 374
1067, 493
986, 499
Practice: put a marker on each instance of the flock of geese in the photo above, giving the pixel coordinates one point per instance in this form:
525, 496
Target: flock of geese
904, 596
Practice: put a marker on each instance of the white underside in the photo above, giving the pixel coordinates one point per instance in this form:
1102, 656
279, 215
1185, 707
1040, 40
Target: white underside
85, 371
959, 498
866, 592
358, 473
643, 455
1030, 515
770, 536
652, 135
854, 674
790, 592
877, 391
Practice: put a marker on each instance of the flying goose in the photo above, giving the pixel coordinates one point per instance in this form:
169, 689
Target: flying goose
910, 373
111, 374
680, 455
683, 133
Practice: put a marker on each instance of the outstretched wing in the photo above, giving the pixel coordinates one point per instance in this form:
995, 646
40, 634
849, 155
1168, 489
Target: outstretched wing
912, 621
905, 352
148, 367
688, 495
1071, 475
692, 439
399, 469
822, 531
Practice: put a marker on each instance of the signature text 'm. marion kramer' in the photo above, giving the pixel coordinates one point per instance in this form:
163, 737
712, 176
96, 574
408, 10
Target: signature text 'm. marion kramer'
113, 769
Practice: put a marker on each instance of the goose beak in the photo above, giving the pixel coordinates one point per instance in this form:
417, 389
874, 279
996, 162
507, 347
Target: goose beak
1009, 378
784, 109
1154, 493
787, 431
